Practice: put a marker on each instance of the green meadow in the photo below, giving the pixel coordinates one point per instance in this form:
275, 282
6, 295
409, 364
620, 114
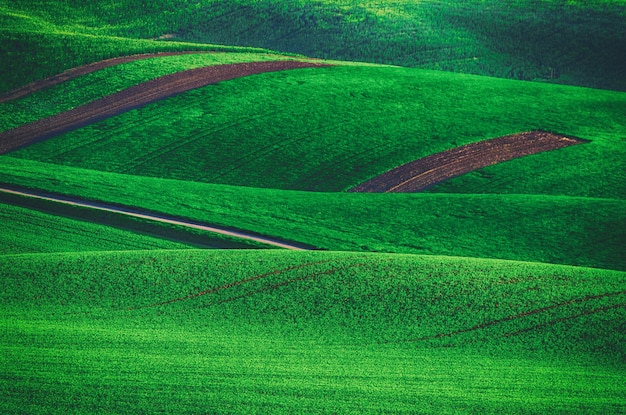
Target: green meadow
554, 229
309, 333
571, 42
349, 123
501, 291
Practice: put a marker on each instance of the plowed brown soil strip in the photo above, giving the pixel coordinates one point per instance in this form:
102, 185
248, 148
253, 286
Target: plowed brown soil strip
425, 172
83, 70
137, 96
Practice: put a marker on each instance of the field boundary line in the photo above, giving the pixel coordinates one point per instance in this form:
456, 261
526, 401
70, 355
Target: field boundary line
153, 216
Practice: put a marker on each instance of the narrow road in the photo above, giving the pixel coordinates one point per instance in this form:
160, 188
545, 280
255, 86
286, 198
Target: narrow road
156, 217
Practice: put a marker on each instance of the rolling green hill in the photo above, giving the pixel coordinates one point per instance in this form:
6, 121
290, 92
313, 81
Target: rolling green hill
349, 123
233, 332
558, 229
499, 291
86, 88
579, 43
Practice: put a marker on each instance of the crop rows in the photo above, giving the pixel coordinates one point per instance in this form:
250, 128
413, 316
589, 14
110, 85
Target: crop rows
317, 330
362, 298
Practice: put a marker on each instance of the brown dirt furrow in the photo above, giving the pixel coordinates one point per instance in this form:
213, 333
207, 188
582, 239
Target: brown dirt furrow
425, 172
521, 315
83, 70
135, 97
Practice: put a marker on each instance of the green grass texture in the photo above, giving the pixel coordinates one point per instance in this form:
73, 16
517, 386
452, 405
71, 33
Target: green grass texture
328, 129
560, 41
317, 332
556, 229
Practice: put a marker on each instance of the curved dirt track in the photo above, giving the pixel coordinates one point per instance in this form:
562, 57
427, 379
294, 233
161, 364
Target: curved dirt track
425, 172
137, 96
83, 70
157, 217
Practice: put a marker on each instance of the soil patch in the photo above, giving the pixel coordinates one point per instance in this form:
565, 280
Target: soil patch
135, 97
83, 70
425, 172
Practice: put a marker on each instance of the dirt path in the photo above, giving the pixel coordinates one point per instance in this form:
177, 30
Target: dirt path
157, 217
137, 96
425, 172
83, 70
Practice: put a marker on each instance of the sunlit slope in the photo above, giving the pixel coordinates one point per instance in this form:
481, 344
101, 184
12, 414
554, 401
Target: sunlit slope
325, 332
343, 297
329, 129
556, 229
556, 41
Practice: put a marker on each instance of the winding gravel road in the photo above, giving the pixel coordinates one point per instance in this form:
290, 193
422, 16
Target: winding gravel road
156, 217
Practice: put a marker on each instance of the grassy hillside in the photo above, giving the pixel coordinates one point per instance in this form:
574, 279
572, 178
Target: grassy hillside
580, 43
349, 123
233, 332
558, 229
501, 291
32, 226
83, 89
45, 38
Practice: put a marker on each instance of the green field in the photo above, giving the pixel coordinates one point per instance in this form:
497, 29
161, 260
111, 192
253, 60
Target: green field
309, 333
87, 88
349, 123
573, 42
501, 291
557, 229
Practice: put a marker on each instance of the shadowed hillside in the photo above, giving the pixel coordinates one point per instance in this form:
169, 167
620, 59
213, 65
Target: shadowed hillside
580, 43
